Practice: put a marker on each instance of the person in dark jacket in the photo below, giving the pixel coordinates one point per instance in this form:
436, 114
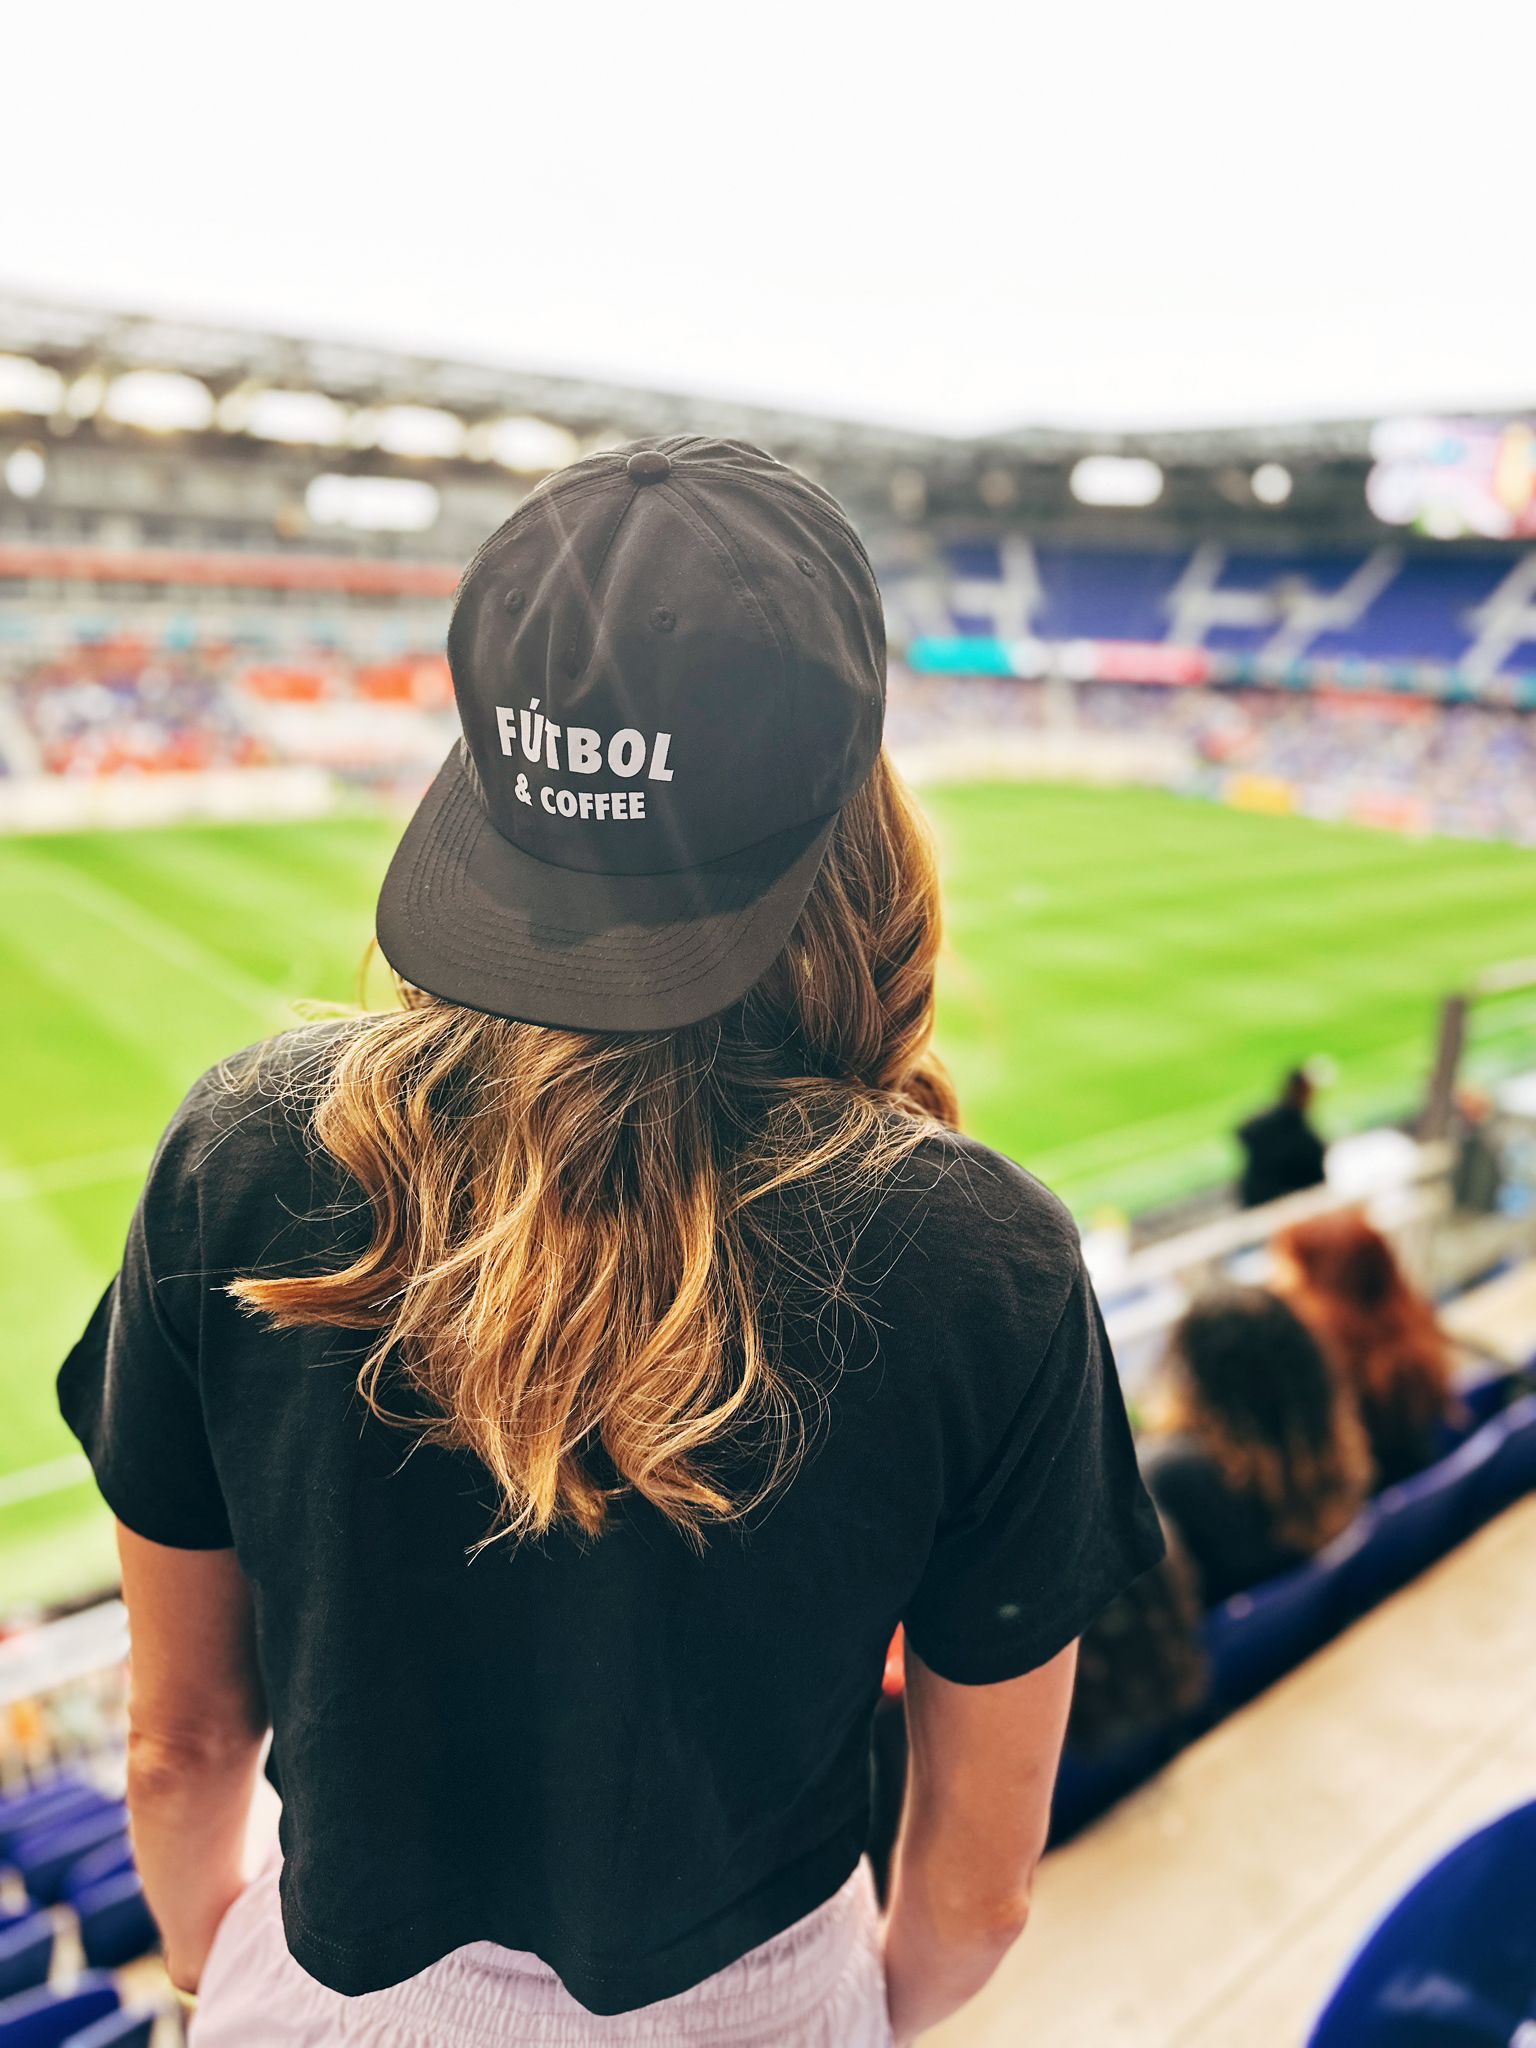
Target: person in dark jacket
1282, 1153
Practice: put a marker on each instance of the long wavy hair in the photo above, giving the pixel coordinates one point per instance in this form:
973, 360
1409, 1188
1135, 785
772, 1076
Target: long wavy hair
582, 1247
1252, 1386
1381, 1333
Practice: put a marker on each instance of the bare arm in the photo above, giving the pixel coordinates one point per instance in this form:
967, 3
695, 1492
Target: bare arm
196, 1722
982, 1761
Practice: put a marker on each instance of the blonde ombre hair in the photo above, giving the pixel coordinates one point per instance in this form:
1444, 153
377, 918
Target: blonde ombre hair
573, 1234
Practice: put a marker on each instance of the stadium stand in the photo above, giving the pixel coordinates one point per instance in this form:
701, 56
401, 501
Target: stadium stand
66, 1859
1454, 612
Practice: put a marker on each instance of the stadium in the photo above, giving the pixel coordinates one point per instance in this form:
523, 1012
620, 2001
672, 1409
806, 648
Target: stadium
1228, 740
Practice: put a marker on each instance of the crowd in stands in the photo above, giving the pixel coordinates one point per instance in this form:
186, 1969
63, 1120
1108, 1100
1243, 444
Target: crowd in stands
109, 709
1282, 1418
122, 706
1280, 1411
1458, 768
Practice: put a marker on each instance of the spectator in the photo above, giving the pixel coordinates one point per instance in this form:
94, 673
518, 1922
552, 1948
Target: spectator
1263, 1459
1477, 1176
1282, 1152
1141, 1664
1343, 1278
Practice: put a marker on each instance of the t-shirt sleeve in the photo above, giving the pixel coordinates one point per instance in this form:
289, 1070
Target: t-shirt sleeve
129, 1388
1057, 1525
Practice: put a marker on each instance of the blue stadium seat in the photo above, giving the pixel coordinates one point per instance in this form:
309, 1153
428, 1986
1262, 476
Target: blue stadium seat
44, 1859
109, 1860
1087, 1786
49, 2019
116, 1925
1481, 1400
1454, 1963
117, 2030
26, 1953
1489, 1396
1255, 1638
1412, 1526
1510, 1473
47, 1805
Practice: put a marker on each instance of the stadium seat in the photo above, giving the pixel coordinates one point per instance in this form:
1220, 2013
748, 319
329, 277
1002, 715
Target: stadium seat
1510, 1473
116, 1925
47, 1805
108, 1861
1454, 1963
26, 1953
117, 2030
44, 1859
50, 2019
1087, 1786
1255, 1638
1481, 1400
1409, 1527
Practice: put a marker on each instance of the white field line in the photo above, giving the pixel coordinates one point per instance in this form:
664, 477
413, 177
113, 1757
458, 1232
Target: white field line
101, 900
33, 1482
61, 1176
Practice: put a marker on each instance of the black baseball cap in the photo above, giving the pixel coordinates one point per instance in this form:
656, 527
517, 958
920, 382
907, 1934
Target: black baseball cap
670, 671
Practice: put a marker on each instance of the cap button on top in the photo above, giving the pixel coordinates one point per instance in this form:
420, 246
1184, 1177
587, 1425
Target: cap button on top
648, 466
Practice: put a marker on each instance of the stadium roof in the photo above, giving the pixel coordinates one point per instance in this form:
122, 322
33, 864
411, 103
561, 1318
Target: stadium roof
74, 338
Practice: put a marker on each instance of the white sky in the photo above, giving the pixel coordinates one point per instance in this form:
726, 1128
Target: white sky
957, 216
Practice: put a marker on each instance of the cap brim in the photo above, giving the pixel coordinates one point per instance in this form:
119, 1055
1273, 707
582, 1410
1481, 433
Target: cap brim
468, 916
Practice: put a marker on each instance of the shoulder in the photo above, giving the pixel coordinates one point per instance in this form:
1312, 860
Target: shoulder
247, 1117
969, 1221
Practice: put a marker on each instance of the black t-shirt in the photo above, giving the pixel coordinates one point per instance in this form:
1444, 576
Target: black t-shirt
635, 1760
1229, 1533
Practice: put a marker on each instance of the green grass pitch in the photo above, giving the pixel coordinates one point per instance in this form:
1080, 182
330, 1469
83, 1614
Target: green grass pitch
1126, 973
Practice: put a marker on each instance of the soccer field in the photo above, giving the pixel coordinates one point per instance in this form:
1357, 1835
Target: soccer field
1126, 973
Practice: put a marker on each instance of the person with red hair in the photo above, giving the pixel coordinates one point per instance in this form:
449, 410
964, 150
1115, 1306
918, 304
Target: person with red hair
1343, 1278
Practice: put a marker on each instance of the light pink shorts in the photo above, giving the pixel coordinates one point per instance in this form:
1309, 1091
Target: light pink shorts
819, 1984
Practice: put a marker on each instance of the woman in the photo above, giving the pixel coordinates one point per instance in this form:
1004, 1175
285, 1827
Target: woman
540, 1404
1262, 1459
1141, 1665
1342, 1277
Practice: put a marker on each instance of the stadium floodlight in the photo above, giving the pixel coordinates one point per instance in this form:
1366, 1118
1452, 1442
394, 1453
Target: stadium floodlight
84, 396
1271, 483
162, 401
25, 472
372, 504
1116, 480
419, 430
26, 386
527, 445
301, 418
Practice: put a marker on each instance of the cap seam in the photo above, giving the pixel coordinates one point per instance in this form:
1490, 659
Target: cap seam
576, 661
